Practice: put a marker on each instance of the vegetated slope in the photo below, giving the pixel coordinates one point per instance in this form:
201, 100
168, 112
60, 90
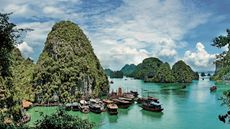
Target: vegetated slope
68, 68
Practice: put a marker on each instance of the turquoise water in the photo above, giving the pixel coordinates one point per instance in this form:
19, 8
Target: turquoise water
189, 108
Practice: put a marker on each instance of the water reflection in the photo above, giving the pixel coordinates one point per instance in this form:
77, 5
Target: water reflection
113, 118
151, 115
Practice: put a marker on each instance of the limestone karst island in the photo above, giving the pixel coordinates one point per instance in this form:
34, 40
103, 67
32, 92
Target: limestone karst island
114, 64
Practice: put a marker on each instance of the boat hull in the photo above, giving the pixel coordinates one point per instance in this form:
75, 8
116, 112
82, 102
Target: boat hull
95, 110
152, 109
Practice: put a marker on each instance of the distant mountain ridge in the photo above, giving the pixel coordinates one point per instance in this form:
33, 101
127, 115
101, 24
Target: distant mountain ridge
128, 69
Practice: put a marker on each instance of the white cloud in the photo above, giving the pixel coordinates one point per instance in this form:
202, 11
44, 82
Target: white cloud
39, 33
128, 33
25, 49
200, 59
52, 10
167, 52
158, 27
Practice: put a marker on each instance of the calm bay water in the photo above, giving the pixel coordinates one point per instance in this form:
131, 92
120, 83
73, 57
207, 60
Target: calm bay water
188, 108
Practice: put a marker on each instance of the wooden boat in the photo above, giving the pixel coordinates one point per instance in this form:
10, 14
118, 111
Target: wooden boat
129, 95
141, 100
94, 106
213, 88
122, 103
107, 101
126, 99
68, 106
112, 109
84, 107
75, 106
135, 93
152, 106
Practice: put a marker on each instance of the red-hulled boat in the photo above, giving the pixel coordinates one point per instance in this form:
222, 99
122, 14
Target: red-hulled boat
213, 88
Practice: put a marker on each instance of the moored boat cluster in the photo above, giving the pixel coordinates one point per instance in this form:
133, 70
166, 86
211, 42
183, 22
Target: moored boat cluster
114, 101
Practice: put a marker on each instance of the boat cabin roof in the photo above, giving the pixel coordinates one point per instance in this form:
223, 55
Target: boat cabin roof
154, 103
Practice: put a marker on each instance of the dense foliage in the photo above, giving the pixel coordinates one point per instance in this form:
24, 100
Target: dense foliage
7, 38
128, 69
116, 74
222, 60
62, 120
223, 63
68, 67
154, 70
9, 99
22, 72
147, 69
183, 73
58, 120
163, 74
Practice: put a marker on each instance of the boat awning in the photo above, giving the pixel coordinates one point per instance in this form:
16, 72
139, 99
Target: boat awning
154, 103
68, 104
75, 104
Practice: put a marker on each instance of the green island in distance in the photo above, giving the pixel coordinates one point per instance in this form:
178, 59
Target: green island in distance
154, 70
68, 70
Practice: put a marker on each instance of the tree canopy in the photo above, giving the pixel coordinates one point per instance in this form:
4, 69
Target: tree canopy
62, 120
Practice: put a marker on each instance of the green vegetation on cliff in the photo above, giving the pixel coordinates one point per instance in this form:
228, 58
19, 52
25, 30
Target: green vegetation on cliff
68, 67
183, 72
147, 68
163, 74
223, 60
154, 70
116, 74
128, 69
13, 74
22, 71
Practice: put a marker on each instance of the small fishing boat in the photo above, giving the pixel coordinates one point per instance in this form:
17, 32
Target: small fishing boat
122, 103
75, 106
213, 88
126, 99
135, 93
95, 106
68, 106
112, 109
141, 100
152, 106
84, 107
128, 95
107, 101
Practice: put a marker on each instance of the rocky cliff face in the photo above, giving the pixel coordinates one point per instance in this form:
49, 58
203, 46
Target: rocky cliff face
68, 67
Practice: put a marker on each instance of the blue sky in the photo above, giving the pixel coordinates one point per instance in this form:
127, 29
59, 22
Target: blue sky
127, 31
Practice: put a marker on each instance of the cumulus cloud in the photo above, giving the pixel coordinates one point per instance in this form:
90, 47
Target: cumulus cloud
121, 32
158, 27
200, 58
25, 49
